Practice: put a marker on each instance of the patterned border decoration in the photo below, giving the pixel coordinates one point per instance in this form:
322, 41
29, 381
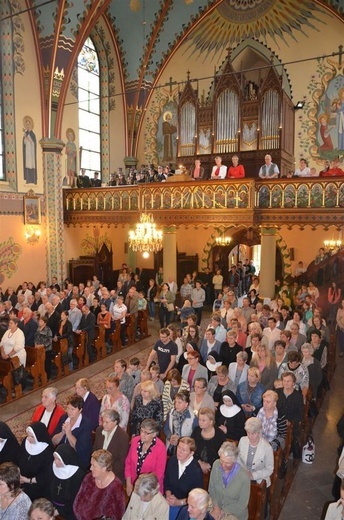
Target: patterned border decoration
9, 255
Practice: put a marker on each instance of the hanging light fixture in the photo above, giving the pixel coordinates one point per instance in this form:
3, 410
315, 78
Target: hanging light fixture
223, 241
146, 237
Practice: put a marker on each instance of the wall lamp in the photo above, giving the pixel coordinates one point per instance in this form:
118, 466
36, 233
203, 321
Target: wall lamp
32, 235
299, 105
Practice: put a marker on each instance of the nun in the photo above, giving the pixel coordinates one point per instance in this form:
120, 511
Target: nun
9, 446
229, 416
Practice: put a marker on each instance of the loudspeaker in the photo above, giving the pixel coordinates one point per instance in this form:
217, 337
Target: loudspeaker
291, 253
126, 248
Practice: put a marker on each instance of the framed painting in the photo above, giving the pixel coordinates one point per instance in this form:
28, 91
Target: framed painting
32, 208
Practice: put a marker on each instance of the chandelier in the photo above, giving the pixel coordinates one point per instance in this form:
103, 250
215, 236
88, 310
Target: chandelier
146, 238
223, 241
331, 245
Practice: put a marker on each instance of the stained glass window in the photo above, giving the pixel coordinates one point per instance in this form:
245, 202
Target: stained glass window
89, 108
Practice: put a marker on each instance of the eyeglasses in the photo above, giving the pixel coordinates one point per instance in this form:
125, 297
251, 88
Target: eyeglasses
145, 432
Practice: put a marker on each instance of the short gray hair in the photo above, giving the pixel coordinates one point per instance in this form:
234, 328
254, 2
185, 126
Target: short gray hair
307, 346
229, 449
202, 498
243, 355
111, 414
147, 484
253, 425
51, 390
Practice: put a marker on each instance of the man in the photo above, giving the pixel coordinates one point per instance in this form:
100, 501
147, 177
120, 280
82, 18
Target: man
234, 280
185, 290
198, 298
209, 344
247, 311
29, 326
290, 404
197, 171
165, 351
132, 304
83, 180
207, 278
272, 332
96, 182
87, 324
53, 318
265, 315
25, 291
57, 304
269, 170
172, 285
126, 381
91, 406
74, 314
49, 412
219, 171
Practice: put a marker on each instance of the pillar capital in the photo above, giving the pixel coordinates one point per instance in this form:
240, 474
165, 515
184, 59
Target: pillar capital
52, 145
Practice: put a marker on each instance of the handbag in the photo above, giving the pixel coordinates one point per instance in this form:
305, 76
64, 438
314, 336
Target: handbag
18, 375
308, 451
312, 409
170, 307
66, 359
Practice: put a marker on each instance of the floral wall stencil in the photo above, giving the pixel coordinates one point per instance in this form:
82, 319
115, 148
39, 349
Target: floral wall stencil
92, 243
9, 254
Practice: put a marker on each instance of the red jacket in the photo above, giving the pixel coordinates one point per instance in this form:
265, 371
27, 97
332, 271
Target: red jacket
54, 418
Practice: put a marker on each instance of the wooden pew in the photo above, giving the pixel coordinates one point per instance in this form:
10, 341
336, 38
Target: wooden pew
18, 390
116, 336
256, 504
6, 378
60, 348
142, 323
80, 349
278, 455
130, 324
35, 364
99, 342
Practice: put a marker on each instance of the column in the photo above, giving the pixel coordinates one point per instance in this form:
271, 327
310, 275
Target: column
52, 179
267, 274
170, 253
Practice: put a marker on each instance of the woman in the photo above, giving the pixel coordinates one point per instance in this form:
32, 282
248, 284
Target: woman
200, 397
44, 336
191, 334
300, 371
147, 453
110, 436
166, 303
297, 320
65, 478
313, 291
217, 282
104, 319
335, 511
255, 453
307, 311
14, 503
279, 352
274, 428
208, 438
146, 502
296, 339
334, 295
177, 339
230, 417
116, 400
238, 315
76, 430
317, 324
198, 504
219, 383
151, 296
237, 371
253, 297
180, 421
266, 364
148, 405
35, 459
190, 346
174, 384
41, 509
229, 486
255, 341
313, 366
250, 392
9, 446
340, 328
184, 312
95, 497
183, 473
65, 331
13, 342
193, 369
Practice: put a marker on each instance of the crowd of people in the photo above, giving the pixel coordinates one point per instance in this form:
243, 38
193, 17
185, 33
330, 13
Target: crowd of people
150, 173
212, 402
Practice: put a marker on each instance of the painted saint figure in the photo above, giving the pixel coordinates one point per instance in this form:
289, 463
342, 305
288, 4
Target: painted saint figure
29, 151
340, 118
168, 130
71, 158
325, 133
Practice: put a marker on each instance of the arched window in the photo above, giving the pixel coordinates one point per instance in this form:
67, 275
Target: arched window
89, 108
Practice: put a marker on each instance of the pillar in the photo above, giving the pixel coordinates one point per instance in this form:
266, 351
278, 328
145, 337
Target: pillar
52, 179
170, 252
267, 274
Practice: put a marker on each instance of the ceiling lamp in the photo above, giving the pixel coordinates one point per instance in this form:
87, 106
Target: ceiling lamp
223, 241
330, 245
145, 238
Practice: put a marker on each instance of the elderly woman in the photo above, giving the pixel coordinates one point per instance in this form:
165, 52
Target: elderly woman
313, 366
174, 384
250, 392
200, 397
147, 453
301, 371
147, 405
41, 509
237, 371
255, 453
95, 497
317, 324
279, 352
229, 485
208, 438
66, 475
116, 400
75, 429
183, 473
219, 383
35, 459
266, 364
110, 436
44, 336
180, 421
297, 318
146, 502
14, 503
197, 507
13, 342
335, 511
274, 427
193, 369
230, 417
